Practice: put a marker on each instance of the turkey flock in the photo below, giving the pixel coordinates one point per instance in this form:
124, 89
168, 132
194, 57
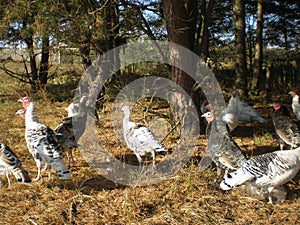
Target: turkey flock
265, 172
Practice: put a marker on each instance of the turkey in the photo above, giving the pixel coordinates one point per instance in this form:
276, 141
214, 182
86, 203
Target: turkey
230, 113
222, 149
295, 104
269, 170
77, 108
139, 138
42, 143
205, 107
74, 108
286, 130
246, 113
70, 129
10, 164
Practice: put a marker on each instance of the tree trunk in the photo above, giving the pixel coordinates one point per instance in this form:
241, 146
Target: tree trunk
180, 18
181, 25
202, 45
44, 65
113, 29
240, 46
84, 50
257, 72
250, 44
33, 67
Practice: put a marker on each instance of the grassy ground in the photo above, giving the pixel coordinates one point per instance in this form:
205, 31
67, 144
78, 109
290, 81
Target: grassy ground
188, 197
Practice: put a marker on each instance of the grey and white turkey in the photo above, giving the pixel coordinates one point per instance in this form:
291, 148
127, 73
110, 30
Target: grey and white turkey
74, 108
295, 104
41, 142
139, 138
70, 129
246, 113
222, 149
10, 164
230, 114
269, 170
77, 108
286, 129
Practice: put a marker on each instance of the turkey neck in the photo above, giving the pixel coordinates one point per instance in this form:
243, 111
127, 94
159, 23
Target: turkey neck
234, 102
82, 108
126, 119
31, 115
296, 98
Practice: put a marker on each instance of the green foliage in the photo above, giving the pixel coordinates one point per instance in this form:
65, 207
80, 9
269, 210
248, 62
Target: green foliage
94, 27
266, 138
282, 24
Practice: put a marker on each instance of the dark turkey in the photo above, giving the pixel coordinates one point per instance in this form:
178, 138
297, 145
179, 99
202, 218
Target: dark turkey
286, 129
70, 129
222, 149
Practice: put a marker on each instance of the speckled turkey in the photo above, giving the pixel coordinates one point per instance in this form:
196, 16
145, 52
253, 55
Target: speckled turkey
269, 170
42, 142
10, 164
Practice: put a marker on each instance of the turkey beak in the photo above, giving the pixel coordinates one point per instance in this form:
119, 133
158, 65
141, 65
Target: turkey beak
20, 111
20, 100
205, 114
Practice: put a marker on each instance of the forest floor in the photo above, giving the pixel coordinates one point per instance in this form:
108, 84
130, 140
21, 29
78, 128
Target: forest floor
188, 197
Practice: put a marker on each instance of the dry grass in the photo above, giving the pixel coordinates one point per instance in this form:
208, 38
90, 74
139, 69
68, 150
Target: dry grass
189, 197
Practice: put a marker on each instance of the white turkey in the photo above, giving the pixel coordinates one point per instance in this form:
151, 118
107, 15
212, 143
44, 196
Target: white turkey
42, 143
139, 138
295, 104
269, 170
286, 129
70, 129
230, 114
246, 113
222, 149
10, 164
76, 108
